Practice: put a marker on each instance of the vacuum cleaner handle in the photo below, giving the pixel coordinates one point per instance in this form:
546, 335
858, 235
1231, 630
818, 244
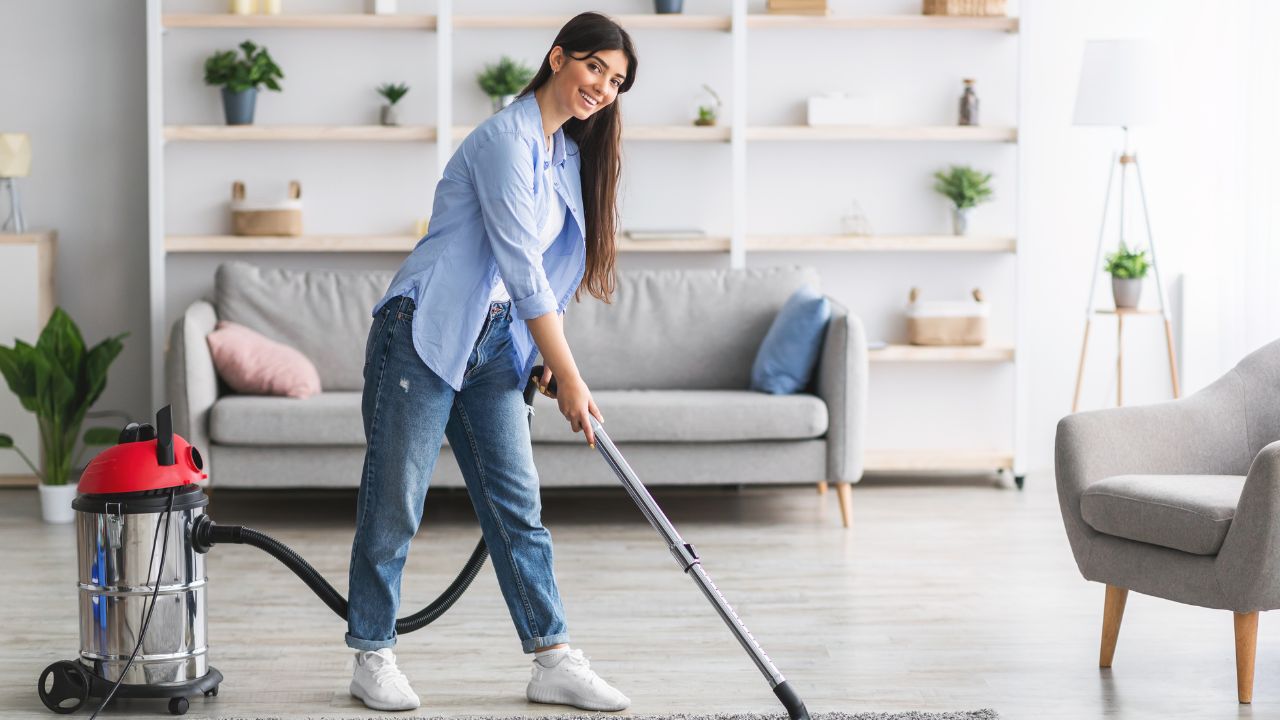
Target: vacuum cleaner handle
535, 378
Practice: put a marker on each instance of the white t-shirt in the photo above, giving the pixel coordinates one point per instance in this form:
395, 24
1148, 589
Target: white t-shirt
550, 231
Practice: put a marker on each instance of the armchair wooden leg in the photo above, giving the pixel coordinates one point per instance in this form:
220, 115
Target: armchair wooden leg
822, 487
1112, 614
1246, 650
845, 490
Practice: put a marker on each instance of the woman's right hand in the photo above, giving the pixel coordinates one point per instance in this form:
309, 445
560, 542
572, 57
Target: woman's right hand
577, 406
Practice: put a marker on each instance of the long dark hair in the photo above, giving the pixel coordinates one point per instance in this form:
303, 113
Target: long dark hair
599, 141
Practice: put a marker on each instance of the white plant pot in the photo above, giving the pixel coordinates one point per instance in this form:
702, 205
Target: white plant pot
382, 7
55, 503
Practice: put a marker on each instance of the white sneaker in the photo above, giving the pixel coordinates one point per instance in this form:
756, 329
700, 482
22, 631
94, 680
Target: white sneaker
571, 681
379, 683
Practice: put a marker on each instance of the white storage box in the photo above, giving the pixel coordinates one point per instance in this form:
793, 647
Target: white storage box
938, 322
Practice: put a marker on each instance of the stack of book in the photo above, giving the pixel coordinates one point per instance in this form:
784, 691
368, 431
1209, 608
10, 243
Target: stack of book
799, 7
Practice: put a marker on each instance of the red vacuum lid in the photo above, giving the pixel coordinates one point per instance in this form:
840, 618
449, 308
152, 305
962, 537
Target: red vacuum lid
147, 463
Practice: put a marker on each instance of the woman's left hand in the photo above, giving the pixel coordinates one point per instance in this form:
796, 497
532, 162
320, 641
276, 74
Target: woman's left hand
545, 380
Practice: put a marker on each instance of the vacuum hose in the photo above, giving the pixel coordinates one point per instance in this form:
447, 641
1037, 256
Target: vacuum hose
205, 533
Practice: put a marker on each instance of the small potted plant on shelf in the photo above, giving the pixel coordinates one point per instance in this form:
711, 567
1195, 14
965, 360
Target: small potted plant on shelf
668, 7
58, 379
240, 78
392, 92
708, 107
966, 188
502, 80
1127, 269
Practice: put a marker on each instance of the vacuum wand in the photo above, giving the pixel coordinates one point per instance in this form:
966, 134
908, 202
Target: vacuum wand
685, 555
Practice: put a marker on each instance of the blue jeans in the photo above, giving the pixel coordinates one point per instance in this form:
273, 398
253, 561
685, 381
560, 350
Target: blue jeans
408, 410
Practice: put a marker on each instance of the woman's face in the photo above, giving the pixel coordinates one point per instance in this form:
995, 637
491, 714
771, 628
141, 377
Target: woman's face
583, 86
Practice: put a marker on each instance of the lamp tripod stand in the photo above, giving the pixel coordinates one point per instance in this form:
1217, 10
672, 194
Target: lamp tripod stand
1124, 160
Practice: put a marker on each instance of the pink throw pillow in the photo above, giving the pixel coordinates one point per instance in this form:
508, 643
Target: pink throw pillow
251, 363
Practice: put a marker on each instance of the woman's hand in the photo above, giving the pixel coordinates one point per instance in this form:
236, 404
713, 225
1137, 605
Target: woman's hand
576, 405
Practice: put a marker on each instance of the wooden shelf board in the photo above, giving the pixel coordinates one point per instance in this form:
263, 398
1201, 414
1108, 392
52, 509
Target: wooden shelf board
302, 243
880, 243
319, 133
350, 21
707, 244
948, 354
678, 21
668, 133
940, 133
936, 460
1127, 311
19, 481
882, 22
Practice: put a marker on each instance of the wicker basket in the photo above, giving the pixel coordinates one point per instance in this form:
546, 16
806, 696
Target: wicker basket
962, 322
284, 218
980, 8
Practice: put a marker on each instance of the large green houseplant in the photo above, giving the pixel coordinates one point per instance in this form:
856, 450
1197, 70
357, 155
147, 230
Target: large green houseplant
240, 78
59, 379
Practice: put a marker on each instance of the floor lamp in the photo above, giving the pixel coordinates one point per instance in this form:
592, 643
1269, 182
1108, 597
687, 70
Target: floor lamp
1115, 91
15, 162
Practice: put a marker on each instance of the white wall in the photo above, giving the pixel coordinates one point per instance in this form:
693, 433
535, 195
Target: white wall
85, 109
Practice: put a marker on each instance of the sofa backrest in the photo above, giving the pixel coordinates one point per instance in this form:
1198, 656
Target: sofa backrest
680, 329
325, 315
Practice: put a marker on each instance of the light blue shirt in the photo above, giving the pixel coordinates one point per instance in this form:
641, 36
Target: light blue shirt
489, 209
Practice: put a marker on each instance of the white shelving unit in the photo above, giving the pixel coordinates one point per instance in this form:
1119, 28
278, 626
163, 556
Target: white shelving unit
740, 25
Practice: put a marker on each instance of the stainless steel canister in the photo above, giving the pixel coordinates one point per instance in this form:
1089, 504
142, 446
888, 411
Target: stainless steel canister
117, 576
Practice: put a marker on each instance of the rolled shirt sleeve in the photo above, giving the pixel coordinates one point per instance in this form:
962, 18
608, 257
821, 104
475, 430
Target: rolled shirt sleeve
504, 178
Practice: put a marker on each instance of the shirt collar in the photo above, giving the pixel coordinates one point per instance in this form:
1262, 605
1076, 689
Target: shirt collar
533, 115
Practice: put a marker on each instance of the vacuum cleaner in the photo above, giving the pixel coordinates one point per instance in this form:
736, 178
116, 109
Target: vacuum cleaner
143, 628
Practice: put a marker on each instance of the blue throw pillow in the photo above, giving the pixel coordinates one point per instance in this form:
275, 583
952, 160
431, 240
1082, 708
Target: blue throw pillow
785, 361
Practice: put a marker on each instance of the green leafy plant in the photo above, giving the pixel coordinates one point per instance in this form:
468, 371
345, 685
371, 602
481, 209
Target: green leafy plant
238, 74
506, 77
59, 380
393, 92
1127, 264
964, 186
708, 112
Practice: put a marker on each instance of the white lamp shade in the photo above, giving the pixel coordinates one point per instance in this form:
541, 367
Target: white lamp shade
1117, 85
15, 155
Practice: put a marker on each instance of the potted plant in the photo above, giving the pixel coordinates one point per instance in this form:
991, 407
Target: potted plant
58, 379
502, 80
966, 188
392, 92
1127, 268
667, 7
708, 108
240, 78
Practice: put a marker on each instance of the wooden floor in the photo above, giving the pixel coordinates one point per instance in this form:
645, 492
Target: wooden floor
944, 596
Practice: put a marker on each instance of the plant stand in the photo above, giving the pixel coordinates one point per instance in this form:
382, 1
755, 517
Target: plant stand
1120, 315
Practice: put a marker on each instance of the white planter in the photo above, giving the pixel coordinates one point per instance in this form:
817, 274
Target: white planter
55, 503
382, 7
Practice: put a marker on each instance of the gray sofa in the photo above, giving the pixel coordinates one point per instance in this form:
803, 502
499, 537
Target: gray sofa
1181, 500
668, 363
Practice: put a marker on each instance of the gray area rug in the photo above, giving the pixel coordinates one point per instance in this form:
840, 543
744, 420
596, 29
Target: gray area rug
986, 714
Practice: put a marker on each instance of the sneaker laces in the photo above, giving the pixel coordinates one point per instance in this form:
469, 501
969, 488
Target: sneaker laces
578, 664
387, 673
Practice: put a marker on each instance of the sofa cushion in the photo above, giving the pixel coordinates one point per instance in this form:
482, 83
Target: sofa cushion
680, 329
324, 315
785, 361
333, 418
250, 362
1191, 513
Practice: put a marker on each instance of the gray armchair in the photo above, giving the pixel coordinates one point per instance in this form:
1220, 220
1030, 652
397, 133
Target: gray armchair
1181, 500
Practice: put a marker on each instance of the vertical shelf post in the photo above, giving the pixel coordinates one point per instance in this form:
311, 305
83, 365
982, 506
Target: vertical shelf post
444, 85
738, 137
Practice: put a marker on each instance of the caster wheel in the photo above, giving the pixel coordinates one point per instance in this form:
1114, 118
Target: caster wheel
211, 692
63, 687
178, 706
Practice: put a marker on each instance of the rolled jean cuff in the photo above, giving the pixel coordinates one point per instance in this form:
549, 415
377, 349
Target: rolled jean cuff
358, 644
533, 643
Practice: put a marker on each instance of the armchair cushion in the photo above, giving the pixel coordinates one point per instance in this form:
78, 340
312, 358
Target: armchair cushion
1191, 513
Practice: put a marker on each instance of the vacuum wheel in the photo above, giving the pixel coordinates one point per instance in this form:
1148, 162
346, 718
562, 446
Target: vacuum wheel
63, 687
178, 706
211, 691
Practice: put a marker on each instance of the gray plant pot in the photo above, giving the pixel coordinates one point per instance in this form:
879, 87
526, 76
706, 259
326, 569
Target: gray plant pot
390, 116
238, 106
667, 7
1126, 291
960, 220
501, 101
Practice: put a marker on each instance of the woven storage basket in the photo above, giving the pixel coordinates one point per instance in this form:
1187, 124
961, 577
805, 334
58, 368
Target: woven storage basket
981, 8
962, 322
283, 218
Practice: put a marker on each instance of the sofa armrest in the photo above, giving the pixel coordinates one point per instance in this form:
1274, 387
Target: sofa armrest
1203, 434
842, 385
1248, 565
190, 380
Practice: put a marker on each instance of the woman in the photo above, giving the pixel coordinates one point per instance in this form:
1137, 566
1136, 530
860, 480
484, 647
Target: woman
524, 218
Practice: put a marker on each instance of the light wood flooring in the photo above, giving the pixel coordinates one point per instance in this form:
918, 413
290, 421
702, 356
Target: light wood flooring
944, 595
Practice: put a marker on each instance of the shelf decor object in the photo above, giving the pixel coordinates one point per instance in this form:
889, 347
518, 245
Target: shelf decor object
947, 323
966, 188
15, 162
798, 7
382, 7
503, 79
969, 8
278, 219
1115, 91
240, 79
391, 92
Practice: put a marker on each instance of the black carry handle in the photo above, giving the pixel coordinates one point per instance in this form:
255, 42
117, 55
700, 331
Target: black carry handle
535, 377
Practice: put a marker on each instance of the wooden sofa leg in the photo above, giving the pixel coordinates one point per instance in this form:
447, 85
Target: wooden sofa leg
822, 487
845, 491
1246, 650
1112, 614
